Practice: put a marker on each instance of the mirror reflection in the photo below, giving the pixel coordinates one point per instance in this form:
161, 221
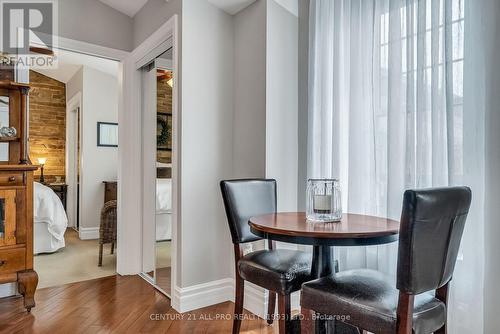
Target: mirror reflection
4, 121
2, 218
164, 131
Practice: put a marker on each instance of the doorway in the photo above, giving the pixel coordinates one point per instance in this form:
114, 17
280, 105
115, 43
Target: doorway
77, 162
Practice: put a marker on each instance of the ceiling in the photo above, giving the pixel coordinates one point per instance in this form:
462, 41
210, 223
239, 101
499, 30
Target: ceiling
70, 62
129, 7
231, 6
291, 5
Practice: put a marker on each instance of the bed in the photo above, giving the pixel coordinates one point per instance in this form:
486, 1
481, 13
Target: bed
50, 220
163, 202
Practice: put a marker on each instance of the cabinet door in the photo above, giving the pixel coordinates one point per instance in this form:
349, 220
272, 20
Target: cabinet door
7, 217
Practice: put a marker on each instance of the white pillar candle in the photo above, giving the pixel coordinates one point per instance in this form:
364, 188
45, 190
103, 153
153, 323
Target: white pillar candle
322, 203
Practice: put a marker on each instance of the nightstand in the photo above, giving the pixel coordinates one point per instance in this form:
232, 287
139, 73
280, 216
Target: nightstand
61, 191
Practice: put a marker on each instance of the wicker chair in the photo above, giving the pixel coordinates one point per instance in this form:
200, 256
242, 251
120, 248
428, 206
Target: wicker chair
107, 229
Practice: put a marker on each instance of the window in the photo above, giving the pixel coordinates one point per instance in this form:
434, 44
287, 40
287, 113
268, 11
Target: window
426, 39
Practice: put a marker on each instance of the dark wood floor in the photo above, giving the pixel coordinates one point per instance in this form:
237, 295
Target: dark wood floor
115, 305
163, 279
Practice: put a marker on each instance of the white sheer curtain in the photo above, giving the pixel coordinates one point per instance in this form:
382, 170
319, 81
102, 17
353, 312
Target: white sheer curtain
386, 114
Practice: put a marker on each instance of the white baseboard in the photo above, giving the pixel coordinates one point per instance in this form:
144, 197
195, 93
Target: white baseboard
88, 233
215, 292
8, 289
255, 300
202, 295
295, 300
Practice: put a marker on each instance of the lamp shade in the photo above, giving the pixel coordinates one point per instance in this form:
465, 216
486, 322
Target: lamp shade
42, 161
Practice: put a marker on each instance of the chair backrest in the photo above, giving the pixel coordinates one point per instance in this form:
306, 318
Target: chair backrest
244, 199
107, 228
431, 228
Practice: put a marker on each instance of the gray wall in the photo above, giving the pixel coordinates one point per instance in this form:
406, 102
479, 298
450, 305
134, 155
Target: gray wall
281, 103
152, 16
492, 168
206, 131
93, 22
249, 125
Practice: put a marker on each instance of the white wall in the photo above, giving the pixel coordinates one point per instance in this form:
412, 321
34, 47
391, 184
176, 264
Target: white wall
74, 87
281, 103
206, 152
249, 125
99, 104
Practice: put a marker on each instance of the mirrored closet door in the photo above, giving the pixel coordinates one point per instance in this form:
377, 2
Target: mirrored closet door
157, 157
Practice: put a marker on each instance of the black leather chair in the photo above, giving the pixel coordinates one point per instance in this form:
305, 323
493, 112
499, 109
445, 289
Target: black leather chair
280, 271
431, 228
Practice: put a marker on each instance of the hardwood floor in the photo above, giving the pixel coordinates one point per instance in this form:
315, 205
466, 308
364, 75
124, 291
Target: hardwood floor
163, 279
116, 304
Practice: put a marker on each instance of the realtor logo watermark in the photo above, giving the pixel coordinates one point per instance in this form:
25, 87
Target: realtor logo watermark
28, 26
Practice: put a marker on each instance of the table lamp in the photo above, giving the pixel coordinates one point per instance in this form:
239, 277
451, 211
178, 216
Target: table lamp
41, 162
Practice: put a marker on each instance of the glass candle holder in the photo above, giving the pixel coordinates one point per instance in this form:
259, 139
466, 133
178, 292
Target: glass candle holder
324, 203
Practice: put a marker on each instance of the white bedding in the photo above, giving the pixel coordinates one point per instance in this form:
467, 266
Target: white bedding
163, 209
163, 196
49, 211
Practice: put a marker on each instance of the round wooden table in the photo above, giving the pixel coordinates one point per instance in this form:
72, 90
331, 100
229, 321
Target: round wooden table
352, 230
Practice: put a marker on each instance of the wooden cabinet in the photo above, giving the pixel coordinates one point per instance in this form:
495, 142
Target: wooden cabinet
16, 195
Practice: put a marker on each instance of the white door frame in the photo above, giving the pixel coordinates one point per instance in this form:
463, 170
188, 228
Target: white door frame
149, 102
164, 64
71, 173
131, 173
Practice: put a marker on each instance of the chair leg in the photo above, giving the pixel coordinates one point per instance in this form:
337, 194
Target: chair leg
405, 313
306, 321
284, 312
271, 305
442, 330
100, 255
112, 248
238, 304
442, 295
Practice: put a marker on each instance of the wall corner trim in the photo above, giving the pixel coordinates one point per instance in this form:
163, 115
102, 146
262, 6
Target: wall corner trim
88, 233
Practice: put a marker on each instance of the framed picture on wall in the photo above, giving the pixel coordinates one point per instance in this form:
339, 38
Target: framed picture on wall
164, 132
107, 134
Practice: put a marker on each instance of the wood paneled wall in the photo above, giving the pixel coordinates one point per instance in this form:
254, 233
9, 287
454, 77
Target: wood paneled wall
164, 105
47, 125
